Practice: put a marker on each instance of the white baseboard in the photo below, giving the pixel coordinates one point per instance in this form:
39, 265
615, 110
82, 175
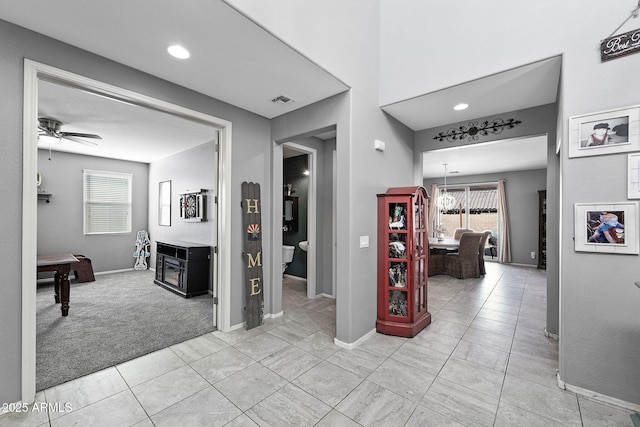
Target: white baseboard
517, 264
326, 296
100, 273
551, 335
351, 346
244, 324
274, 316
113, 271
597, 396
238, 326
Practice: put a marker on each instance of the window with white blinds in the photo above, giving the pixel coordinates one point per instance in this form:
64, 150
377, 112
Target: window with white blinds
107, 202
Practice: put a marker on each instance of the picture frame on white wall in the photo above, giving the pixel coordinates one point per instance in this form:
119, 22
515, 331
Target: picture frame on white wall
633, 176
606, 227
608, 132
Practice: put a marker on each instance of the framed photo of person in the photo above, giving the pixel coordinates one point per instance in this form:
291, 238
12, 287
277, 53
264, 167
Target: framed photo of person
606, 227
633, 176
609, 132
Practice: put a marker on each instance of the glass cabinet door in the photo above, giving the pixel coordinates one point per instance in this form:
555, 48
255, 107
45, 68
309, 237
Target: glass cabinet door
402, 261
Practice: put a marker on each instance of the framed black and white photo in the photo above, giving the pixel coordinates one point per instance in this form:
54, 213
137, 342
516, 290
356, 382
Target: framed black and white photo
609, 132
633, 176
606, 227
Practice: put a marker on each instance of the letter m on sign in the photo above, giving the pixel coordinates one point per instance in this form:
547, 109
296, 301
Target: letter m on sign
252, 254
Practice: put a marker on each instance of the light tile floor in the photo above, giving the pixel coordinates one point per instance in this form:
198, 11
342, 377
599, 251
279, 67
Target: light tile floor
483, 361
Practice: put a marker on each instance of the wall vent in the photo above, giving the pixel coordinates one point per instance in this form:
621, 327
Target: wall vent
282, 99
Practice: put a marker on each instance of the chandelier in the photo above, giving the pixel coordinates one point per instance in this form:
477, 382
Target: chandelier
445, 200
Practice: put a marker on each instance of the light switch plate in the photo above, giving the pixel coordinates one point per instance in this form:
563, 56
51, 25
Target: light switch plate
364, 241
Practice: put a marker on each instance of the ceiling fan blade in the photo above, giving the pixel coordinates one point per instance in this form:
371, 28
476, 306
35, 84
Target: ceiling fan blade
80, 141
80, 135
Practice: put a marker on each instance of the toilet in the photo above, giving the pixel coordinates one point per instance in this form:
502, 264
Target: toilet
287, 256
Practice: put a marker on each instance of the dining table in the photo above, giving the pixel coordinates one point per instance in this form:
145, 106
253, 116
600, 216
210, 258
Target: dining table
446, 243
61, 265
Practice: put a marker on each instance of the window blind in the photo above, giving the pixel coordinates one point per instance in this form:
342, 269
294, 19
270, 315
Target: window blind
107, 202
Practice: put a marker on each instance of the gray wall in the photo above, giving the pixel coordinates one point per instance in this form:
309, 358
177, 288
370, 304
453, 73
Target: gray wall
522, 206
192, 169
362, 172
251, 161
600, 330
60, 222
325, 213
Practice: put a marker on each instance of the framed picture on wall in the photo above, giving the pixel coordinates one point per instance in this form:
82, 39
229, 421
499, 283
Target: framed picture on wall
606, 227
164, 203
609, 132
633, 176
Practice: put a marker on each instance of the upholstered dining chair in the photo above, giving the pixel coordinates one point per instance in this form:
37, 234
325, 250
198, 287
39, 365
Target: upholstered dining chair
464, 264
436, 262
483, 243
458, 232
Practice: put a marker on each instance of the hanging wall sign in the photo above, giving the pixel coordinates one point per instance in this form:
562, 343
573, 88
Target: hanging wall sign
252, 254
620, 45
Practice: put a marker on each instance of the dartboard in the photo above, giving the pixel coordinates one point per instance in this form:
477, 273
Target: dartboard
190, 206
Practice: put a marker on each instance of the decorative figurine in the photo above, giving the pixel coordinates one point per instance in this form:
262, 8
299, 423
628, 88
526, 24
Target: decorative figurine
398, 220
141, 253
397, 249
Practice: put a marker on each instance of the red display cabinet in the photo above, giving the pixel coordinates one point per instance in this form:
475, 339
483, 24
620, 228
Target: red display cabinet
403, 248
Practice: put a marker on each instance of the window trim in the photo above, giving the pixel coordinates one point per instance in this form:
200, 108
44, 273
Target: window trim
85, 202
468, 187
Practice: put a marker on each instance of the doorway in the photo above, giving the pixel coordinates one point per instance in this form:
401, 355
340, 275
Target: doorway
319, 147
306, 211
33, 73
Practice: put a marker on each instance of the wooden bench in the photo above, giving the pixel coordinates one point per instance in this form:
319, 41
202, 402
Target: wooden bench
83, 270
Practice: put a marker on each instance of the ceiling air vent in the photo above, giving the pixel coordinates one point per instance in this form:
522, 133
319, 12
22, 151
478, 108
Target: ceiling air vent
282, 99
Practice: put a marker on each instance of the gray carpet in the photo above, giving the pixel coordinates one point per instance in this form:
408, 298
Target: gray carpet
117, 318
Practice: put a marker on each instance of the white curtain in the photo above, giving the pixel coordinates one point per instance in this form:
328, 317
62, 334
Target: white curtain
432, 208
504, 244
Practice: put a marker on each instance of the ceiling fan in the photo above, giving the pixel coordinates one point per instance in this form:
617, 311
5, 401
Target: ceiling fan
51, 127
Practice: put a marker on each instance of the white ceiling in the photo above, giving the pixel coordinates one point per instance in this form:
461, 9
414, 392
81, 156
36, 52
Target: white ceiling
523, 87
506, 155
128, 132
233, 60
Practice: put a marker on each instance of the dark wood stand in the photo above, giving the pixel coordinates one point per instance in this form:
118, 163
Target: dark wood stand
403, 248
542, 230
183, 267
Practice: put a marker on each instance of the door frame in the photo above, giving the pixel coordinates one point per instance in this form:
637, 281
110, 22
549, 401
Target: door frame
311, 215
33, 72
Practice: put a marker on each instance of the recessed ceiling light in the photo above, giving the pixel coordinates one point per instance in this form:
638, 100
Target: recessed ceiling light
178, 51
461, 106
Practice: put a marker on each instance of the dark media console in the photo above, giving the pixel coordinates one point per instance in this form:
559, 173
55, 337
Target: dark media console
183, 267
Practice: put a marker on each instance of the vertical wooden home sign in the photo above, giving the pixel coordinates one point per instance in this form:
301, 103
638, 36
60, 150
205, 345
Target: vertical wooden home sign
252, 254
